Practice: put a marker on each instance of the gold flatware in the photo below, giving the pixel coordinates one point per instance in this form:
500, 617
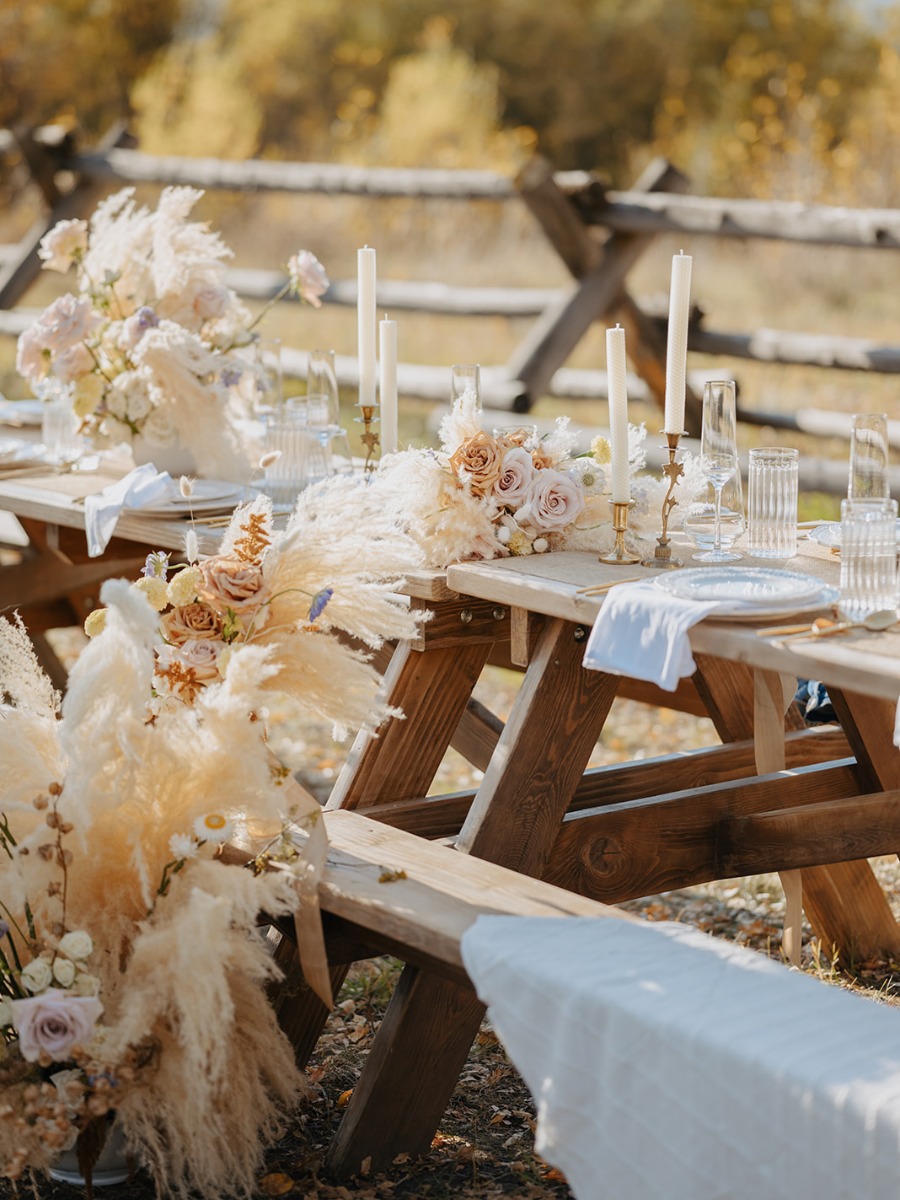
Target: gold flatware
598, 588
875, 622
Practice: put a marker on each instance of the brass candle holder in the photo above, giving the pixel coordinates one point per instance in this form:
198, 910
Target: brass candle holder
619, 554
662, 555
370, 438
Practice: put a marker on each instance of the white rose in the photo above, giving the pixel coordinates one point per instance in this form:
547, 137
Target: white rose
76, 945
37, 975
159, 428
86, 984
128, 398
64, 971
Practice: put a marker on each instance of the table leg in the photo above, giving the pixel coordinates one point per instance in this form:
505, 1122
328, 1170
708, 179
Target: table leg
432, 688
430, 1024
772, 695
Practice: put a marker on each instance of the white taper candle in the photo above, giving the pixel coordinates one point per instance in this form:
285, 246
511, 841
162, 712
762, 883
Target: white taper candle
387, 385
676, 351
365, 311
618, 414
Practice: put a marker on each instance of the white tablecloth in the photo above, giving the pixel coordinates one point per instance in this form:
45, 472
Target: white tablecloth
666, 1065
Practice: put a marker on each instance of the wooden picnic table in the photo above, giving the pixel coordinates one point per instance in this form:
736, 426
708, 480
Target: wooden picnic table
813, 805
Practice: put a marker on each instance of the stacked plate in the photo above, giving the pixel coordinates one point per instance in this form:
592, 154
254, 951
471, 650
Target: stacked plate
829, 535
209, 497
748, 593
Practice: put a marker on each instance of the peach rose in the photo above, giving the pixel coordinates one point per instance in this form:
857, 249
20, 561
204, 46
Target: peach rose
202, 656
197, 621
479, 459
54, 1022
231, 583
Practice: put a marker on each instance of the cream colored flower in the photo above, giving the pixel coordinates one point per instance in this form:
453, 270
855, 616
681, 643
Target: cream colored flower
36, 975
64, 971
64, 245
601, 451
184, 587
86, 984
213, 827
519, 543
182, 846
76, 944
155, 589
87, 395
95, 622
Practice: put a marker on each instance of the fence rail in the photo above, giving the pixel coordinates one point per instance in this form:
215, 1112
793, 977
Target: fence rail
599, 234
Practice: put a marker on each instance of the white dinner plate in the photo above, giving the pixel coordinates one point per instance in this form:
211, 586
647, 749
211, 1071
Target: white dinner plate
747, 593
21, 412
208, 496
829, 535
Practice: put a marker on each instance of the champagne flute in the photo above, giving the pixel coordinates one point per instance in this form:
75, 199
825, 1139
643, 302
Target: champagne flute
718, 456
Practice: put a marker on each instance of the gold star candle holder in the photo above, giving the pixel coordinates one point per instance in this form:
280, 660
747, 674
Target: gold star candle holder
619, 554
662, 555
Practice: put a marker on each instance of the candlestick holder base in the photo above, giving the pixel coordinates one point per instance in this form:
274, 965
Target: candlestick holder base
662, 557
619, 554
370, 438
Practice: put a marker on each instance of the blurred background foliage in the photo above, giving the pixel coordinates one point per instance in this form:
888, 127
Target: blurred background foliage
749, 97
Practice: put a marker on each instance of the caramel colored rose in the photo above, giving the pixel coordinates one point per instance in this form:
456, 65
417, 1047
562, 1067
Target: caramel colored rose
190, 622
231, 583
480, 459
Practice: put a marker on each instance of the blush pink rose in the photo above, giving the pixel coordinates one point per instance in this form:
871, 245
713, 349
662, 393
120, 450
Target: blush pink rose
554, 501
54, 1022
202, 656
67, 322
516, 474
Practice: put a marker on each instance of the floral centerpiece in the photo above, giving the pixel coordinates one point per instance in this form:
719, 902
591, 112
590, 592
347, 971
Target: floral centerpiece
153, 343
490, 495
132, 974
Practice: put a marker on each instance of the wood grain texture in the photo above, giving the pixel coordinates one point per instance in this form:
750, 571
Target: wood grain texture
622, 851
432, 688
543, 750
442, 816
458, 619
477, 734
869, 725
829, 831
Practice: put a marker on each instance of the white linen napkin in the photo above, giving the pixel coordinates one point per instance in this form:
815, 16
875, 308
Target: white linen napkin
642, 632
142, 486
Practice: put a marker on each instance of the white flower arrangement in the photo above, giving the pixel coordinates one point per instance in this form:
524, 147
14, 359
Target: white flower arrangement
485, 496
133, 978
154, 343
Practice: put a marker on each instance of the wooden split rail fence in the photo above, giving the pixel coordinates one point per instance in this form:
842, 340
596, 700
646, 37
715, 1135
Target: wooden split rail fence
599, 235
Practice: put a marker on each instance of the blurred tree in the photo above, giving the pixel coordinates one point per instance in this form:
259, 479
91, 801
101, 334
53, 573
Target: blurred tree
752, 84
68, 59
